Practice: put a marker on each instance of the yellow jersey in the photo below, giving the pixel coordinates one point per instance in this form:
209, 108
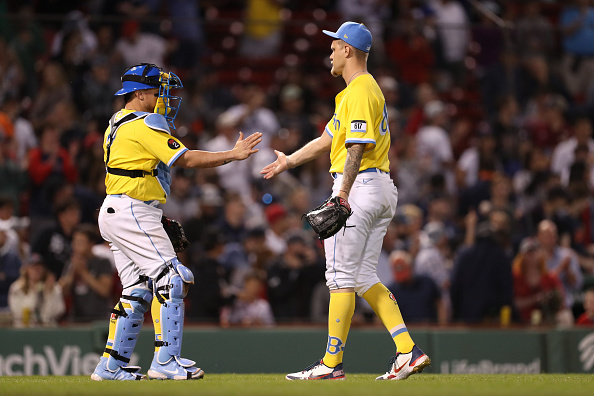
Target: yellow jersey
144, 144
360, 116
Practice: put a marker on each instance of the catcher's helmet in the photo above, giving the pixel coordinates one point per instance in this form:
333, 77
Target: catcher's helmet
147, 76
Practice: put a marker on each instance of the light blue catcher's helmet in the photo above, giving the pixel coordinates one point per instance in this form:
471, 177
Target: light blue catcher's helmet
147, 76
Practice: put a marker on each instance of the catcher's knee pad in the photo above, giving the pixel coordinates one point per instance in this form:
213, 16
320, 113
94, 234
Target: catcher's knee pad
169, 310
127, 317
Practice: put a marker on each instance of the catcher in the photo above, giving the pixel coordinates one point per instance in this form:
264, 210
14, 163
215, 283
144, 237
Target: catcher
139, 153
358, 139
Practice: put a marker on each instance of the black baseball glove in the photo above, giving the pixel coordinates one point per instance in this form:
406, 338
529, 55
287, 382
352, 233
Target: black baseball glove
328, 218
176, 234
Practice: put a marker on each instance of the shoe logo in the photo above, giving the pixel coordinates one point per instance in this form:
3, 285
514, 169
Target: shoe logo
365, 181
401, 367
169, 371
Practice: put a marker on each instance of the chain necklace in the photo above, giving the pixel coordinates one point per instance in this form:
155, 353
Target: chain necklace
354, 74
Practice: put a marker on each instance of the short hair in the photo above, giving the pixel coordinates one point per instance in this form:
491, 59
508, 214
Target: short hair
65, 205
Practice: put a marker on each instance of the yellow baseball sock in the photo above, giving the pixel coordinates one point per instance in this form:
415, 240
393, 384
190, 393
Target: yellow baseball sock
385, 306
112, 329
340, 314
156, 315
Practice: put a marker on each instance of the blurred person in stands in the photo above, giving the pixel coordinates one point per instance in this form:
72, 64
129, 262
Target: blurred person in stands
249, 308
292, 277
35, 298
562, 262
276, 217
577, 65
15, 174
136, 46
182, 203
49, 165
563, 155
538, 294
587, 318
482, 280
263, 28
534, 32
10, 265
87, 280
54, 88
419, 298
53, 242
434, 147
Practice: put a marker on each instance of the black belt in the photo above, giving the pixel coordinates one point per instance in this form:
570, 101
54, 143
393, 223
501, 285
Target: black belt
132, 173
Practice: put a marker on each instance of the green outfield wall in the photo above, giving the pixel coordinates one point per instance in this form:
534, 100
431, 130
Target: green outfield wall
75, 351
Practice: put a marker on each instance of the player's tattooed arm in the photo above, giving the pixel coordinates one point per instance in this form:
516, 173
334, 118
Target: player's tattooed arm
351, 167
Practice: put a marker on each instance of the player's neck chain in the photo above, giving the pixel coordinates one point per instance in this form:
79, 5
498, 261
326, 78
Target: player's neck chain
354, 74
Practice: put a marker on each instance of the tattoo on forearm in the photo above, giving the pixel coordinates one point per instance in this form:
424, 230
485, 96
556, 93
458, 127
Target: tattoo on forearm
351, 166
227, 161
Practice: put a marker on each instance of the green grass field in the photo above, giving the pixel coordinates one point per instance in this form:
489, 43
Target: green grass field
275, 384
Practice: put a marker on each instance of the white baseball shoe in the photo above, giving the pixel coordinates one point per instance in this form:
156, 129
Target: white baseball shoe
318, 371
403, 365
102, 373
173, 370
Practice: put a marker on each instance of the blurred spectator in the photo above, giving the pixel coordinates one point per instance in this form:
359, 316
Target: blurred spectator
249, 308
577, 26
276, 216
96, 96
10, 265
454, 37
292, 277
24, 138
87, 279
546, 125
207, 298
187, 31
482, 278
50, 165
232, 225
424, 94
411, 172
13, 78
252, 115
534, 33
54, 89
561, 262
419, 298
135, 46
554, 207
433, 143
35, 298
538, 295
563, 156
501, 80
587, 318
210, 211
12, 172
9, 224
292, 117
489, 37
505, 128
53, 242
431, 260
235, 176
263, 28
480, 161
182, 204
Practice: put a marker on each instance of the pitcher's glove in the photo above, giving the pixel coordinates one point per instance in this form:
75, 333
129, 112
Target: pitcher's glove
176, 234
328, 218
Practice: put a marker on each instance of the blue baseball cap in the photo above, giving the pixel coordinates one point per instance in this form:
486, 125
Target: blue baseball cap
353, 33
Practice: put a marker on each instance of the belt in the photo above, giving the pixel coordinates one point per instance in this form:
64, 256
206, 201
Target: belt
153, 202
368, 170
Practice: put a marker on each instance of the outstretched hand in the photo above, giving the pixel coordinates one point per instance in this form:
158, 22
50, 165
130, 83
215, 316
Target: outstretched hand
245, 147
277, 167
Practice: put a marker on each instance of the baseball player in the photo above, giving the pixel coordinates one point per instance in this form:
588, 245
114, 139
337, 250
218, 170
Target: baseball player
358, 140
139, 153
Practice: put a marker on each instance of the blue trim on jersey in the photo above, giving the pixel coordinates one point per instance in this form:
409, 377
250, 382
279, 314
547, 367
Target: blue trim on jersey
176, 156
399, 331
334, 263
148, 236
360, 141
328, 132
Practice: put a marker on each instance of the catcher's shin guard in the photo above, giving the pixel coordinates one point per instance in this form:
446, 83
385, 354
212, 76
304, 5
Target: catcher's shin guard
168, 313
125, 324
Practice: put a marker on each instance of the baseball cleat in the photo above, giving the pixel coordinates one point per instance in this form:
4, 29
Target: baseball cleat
318, 371
174, 371
403, 365
102, 373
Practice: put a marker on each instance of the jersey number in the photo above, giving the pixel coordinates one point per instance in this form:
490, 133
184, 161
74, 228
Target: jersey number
384, 127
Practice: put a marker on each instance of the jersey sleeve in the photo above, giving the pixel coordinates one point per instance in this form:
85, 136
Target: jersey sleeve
359, 122
160, 143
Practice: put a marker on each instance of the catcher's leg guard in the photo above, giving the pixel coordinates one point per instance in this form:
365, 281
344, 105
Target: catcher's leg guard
168, 317
125, 324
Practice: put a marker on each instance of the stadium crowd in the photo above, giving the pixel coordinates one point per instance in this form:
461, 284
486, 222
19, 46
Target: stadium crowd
491, 110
